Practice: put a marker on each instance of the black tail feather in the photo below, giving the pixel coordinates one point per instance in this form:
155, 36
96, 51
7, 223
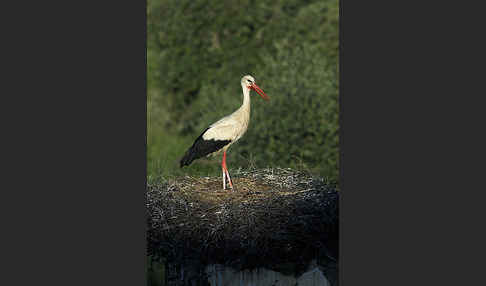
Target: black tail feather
188, 158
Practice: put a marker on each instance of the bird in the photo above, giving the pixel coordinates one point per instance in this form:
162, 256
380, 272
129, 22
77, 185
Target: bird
220, 135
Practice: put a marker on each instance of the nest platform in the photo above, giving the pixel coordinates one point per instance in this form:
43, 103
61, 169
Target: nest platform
280, 219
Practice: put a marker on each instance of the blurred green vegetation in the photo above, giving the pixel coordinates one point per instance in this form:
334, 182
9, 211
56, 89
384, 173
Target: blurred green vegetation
197, 53
155, 272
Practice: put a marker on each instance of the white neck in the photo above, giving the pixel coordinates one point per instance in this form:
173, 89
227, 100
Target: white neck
246, 96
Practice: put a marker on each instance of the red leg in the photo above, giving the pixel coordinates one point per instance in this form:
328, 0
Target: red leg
223, 167
223, 163
229, 179
225, 171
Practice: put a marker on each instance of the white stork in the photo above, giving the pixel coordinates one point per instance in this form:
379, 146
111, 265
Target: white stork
226, 131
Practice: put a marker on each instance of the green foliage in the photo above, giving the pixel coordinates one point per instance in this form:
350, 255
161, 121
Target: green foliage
299, 126
155, 272
198, 51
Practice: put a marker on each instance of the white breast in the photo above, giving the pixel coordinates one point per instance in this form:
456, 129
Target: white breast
231, 127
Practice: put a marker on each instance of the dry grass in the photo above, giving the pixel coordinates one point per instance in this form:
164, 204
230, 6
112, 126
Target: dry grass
274, 216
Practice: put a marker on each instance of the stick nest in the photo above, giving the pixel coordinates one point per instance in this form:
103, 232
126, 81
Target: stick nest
273, 217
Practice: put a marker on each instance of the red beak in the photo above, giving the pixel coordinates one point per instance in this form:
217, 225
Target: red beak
259, 91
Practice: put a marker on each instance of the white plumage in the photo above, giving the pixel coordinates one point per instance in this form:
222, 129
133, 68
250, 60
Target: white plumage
220, 135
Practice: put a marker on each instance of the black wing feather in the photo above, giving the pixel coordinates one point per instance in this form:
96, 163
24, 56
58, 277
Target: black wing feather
201, 148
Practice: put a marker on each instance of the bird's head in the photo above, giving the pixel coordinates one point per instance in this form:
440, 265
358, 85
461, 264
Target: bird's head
249, 82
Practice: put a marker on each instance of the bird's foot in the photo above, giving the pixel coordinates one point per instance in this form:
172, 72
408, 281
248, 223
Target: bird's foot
228, 186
